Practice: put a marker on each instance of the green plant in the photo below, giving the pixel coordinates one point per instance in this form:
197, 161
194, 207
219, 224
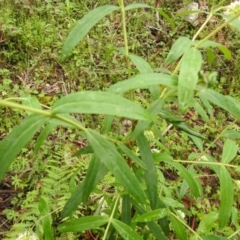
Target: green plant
141, 206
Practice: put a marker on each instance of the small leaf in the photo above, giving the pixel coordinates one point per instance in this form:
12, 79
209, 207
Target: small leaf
124, 230
169, 116
30, 101
108, 154
178, 228
152, 215
20, 135
143, 81
214, 237
47, 219
136, 5
168, 18
188, 77
83, 223
230, 149
100, 103
207, 223
83, 26
178, 48
199, 109
226, 197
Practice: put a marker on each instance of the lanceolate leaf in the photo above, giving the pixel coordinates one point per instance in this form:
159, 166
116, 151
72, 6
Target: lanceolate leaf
207, 223
100, 103
151, 173
226, 197
96, 171
136, 5
108, 154
188, 77
230, 149
152, 215
178, 228
47, 219
229, 104
143, 81
12, 144
83, 26
83, 223
178, 48
125, 231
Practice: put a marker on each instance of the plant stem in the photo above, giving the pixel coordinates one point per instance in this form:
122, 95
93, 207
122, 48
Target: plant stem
111, 217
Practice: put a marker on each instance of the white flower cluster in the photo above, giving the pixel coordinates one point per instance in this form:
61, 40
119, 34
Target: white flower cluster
233, 8
27, 236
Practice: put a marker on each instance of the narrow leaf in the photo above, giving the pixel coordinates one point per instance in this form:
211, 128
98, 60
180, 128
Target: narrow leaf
171, 202
96, 171
230, 149
83, 223
151, 173
83, 26
179, 228
152, 215
178, 48
143, 81
108, 154
214, 237
100, 103
136, 5
12, 144
126, 209
230, 134
226, 197
47, 219
124, 230
207, 223
188, 77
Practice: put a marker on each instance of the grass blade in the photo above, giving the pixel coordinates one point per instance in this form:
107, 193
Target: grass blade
83, 26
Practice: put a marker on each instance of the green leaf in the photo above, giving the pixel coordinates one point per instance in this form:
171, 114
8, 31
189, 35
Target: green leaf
152, 215
96, 171
124, 230
30, 101
144, 67
221, 47
132, 156
230, 149
169, 116
199, 109
178, 228
171, 202
178, 48
207, 223
108, 154
143, 81
151, 174
169, 19
136, 5
188, 77
142, 125
126, 209
230, 134
226, 197
100, 103
83, 26
47, 219
227, 103
214, 237
83, 224
20, 135
193, 185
